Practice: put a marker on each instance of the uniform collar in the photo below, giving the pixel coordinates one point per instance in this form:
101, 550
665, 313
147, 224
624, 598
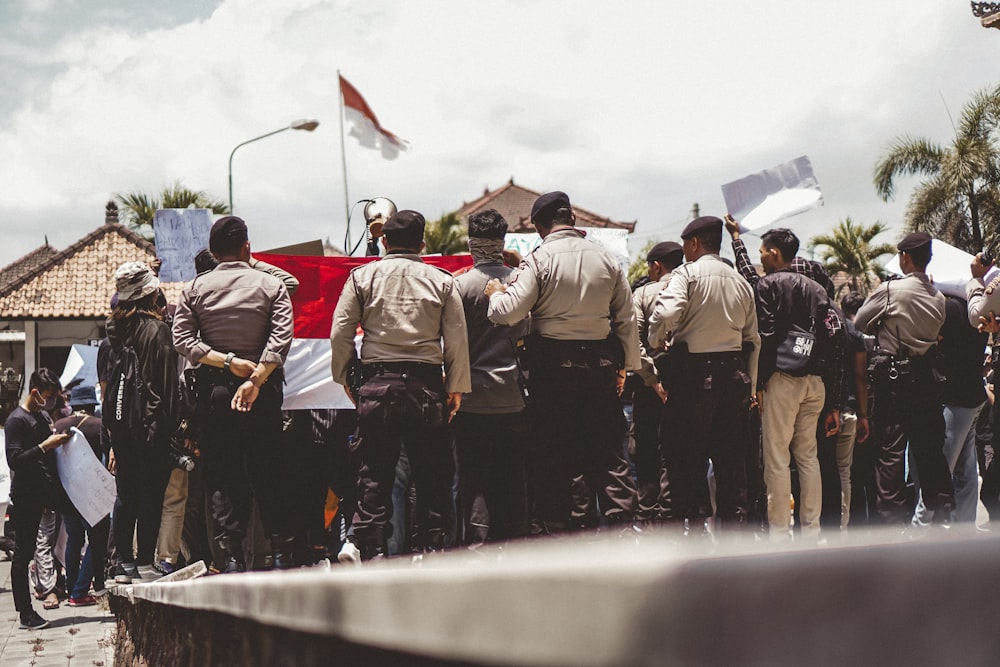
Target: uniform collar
565, 233
411, 256
235, 264
665, 277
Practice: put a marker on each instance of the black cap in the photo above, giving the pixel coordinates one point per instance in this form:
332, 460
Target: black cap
545, 207
405, 221
663, 250
913, 241
225, 229
706, 223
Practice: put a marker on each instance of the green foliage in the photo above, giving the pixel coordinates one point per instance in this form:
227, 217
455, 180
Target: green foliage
850, 249
959, 199
138, 208
446, 236
637, 269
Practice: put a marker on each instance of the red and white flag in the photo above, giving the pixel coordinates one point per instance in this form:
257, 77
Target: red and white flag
308, 380
365, 126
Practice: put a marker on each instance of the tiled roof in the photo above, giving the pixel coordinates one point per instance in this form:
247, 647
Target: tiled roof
514, 203
25, 265
79, 281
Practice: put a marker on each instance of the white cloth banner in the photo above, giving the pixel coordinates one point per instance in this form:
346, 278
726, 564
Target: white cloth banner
87, 482
309, 384
948, 269
763, 198
615, 241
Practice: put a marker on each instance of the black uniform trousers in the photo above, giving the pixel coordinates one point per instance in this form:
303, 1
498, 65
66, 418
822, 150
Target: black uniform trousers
650, 464
403, 404
579, 427
706, 418
909, 411
492, 491
241, 456
26, 514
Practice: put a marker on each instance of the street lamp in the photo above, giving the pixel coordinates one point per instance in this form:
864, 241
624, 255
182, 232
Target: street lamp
307, 124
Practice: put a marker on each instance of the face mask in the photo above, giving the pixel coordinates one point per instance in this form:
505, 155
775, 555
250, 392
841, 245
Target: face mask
45, 405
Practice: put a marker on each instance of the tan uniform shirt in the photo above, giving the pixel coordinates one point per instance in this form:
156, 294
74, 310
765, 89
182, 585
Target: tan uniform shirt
573, 290
644, 302
234, 309
405, 308
709, 306
911, 311
982, 299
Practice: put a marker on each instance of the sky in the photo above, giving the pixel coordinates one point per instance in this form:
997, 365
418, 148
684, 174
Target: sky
637, 110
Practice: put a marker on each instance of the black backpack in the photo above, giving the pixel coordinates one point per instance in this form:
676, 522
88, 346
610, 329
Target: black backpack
123, 406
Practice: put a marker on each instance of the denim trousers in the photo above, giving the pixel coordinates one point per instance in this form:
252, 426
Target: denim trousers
960, 452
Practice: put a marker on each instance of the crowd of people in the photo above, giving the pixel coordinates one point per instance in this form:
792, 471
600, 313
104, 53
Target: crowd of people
506, 402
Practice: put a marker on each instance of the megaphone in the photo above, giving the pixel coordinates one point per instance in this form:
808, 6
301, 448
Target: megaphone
377, 212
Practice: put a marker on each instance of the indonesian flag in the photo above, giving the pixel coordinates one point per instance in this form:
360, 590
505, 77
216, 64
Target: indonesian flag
365, 126
308, 380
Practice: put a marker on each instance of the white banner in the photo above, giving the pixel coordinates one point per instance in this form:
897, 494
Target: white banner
87, 482
948, 269
763, 198
615, 241
309, 384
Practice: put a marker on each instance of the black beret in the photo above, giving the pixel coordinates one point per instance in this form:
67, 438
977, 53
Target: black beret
404, 221
913, 241
228, 227
706, 223
663, 250
545, 207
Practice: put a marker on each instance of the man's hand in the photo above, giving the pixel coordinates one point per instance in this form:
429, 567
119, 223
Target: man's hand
494, 286
864, 429
245, 396
112, 463
989, 323
757, 400
978, 267
620, 382
347, 390
242, 368
831, 425
54, 440
454, 403
660, 391
732, 227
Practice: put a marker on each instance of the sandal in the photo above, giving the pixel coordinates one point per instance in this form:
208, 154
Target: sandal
51, 602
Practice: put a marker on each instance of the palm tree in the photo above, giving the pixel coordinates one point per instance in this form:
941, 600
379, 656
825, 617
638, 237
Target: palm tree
849, 249
138, 208
446, 236
638, 268
959, 201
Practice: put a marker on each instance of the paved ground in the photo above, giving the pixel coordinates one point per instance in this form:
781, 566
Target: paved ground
77, 637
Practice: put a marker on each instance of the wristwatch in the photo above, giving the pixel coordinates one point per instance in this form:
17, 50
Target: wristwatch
229, 361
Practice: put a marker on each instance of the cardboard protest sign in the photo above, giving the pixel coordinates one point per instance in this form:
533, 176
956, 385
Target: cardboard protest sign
771, 195
180, 234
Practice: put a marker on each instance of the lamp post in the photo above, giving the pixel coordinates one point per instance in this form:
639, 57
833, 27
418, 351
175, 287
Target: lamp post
307, 124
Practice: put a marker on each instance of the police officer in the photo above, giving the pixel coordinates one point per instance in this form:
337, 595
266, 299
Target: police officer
648, 399
406, 309
906, 316
581, 311
236, 323
711, 367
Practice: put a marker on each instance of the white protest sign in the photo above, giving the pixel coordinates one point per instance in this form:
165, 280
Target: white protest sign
780, 192
88, 484
948, 269
180, 234
4, 473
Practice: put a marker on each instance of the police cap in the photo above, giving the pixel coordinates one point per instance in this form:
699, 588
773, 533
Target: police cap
663, 250
405, 221
706, 223
913, 241
545, 207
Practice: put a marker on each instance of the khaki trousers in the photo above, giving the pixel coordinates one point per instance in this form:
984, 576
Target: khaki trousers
790, 413
168, 542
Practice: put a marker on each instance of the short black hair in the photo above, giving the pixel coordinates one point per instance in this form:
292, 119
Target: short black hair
851, 303
204, 261
709, 240
410, 239
44, 379
921, 256
672, 260
487, 224
562, 216
784, 240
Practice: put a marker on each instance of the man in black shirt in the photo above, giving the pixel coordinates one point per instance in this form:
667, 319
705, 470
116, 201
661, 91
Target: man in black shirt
34, 484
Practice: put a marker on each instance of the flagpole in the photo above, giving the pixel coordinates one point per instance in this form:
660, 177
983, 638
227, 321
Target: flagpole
343, 154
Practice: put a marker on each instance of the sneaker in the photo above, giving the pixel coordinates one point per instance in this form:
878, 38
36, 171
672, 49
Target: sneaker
125, 573
164, 567
233, 566
32, 621
149, 573
85, 601
349, 554
100, 592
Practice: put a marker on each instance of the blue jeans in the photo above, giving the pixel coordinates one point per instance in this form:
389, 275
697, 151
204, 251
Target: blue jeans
960, 452
78, 575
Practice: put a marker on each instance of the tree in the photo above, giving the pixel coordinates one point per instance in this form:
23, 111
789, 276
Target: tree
446, 236
138, 208
637, 269
959, 200
849, 249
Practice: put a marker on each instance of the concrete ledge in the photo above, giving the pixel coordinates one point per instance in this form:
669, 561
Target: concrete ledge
880, 598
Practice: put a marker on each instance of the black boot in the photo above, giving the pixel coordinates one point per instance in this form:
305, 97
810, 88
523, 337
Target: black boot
231, 545
283, 551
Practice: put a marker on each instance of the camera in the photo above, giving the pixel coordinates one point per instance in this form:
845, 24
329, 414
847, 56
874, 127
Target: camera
180, 456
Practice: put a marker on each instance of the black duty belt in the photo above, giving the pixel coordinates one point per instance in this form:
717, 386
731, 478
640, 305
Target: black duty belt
369, 370
716, 357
